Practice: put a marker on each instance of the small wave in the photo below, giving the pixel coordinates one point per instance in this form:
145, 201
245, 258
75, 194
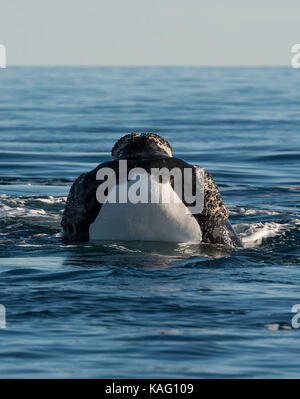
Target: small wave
121, 248
293, 189
13, 207
253, 212
29, 222
252, 235
52, 200
8, 212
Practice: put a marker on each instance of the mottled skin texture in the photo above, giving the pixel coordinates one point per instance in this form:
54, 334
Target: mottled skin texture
213, 221
146, 151
134, 145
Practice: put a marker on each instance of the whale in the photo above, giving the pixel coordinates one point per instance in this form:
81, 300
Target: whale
123, 199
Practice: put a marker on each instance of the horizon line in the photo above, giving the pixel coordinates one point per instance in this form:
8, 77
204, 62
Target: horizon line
151, 65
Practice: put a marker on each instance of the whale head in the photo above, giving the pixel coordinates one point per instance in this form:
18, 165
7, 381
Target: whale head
141, 145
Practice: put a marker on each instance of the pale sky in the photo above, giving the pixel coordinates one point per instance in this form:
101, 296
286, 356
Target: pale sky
149, 32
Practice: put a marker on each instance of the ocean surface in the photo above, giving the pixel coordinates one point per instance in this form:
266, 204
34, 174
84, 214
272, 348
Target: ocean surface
149, 309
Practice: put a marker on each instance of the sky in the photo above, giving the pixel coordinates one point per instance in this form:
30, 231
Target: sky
149, 32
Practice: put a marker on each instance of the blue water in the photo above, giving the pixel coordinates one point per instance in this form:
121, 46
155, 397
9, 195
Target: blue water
134, 309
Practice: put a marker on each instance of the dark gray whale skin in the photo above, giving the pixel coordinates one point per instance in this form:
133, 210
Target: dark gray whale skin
82, 206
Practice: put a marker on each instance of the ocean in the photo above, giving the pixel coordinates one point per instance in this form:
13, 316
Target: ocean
150, 309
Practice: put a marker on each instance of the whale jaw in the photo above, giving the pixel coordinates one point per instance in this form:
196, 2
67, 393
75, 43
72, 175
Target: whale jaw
150, 221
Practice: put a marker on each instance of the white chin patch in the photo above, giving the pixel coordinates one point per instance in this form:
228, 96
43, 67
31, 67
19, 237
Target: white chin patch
149, 221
